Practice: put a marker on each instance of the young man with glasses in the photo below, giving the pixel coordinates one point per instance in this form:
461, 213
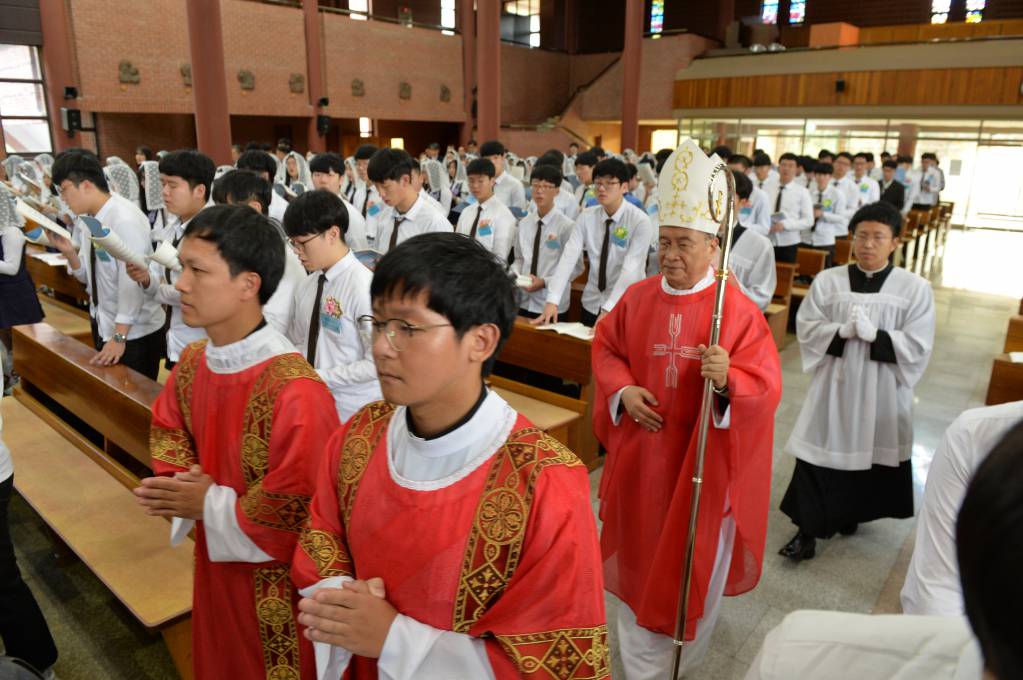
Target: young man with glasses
489, 221
448, 537
542, 236
866, 333
328, 304
616, 236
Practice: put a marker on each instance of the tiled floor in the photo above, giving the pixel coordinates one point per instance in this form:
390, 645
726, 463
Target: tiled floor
98, 639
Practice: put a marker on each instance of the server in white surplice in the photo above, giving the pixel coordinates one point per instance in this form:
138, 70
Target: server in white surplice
866, 333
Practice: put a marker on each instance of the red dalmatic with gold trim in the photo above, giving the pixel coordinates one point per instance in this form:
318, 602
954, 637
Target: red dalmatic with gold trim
508, 554
651, 339
259, 431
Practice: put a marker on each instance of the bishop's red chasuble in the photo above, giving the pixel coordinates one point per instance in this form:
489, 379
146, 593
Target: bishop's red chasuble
650, 339
507, 554
259, 431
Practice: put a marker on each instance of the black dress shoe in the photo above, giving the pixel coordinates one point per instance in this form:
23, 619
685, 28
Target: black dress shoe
801, 547
849, 530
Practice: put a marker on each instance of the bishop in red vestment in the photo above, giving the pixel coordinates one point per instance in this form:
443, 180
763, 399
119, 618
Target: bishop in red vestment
649, 361
240, 423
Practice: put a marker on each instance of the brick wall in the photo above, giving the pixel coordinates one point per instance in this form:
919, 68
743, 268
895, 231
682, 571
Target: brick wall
534, 84
119, 133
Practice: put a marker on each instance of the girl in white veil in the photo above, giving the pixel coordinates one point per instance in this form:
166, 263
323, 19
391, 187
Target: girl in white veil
458, 180
437, 177
294, 170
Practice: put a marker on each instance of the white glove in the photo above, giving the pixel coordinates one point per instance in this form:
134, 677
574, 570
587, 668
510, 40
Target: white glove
848, 329
865, 328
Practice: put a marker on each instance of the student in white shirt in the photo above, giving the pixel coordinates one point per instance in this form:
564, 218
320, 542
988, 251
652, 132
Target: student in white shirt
542, 237
616, 236
127, 327
763, 175
406, 213
265, 165
910, 182
843, 181
329, 302
755, 214
508, 189
931, 181
828, 213
186, 177
585, 193
488, 221
873, 171
791, 210
326, 169
752, 257
867, 189
241, 186
564, 199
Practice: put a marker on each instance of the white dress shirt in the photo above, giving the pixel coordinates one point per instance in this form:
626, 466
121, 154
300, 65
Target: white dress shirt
797, 208
14, 246
510, 191
768, 186
629, 244
278, 206
121, 300
161, 288
344, 358
495, 229
758, 217
422, 218
930, 183
752, 260
851, 193
867, 191
832, 220
557, 230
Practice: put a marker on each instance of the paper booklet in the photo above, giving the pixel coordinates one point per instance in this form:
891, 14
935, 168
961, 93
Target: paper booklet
111, 242
573, 329
37, 236
52, 259
368, 257
33, 215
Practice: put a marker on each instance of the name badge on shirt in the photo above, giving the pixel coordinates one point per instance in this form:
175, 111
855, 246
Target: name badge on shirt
745, 213
864, 187
827, 205
484, 228
373, 209
620, 237
330, 316
101, 254
552, 242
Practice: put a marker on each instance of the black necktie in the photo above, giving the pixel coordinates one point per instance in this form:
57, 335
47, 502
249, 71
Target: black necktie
760, 184
394, 232
92, 273
602, 272
475, 222
365, 202
536, 249
777, 201
314, 322
834, 182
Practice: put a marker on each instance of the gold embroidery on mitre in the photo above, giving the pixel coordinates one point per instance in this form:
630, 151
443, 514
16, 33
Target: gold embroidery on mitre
172, 446
681, 204
278, 632
568, 654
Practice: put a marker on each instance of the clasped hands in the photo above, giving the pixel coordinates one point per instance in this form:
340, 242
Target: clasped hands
182, 495
356, 616
639, 402
859, 326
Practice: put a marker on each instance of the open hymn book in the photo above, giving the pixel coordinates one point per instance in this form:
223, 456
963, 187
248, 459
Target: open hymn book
573, 329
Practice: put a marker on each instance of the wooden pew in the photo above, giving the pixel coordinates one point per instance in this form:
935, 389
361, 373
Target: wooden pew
80, 437
65, 287
559, 416
778, 311
809, 263
1014, 335
563, 357
71, 321
843, 251
1006, 381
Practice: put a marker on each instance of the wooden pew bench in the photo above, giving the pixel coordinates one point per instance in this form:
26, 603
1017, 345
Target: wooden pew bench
559, 416
65, 287
70, 321
1006, 381
1014, 335
80, 440
781, 303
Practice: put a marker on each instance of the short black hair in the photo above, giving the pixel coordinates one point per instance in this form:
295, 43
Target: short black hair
246, 240
236, 147
632, 170
481, 166
554, 153
365, 152
904, 159
882, 212
471, 142
587, 158
869, 156
242, 186
862, 155
575, 144
314, 212
192, 166
611, 167
598, 151
825, 152
760, 159
463, 282
284, 144
661, 156
547, 173
889, 163
885, 154
78, 165
824, 169
145, 151
260, 161
550, 159
433, 145
742, 160
929, 156
327, 162
845, 154
807, 163
388, 164
722, 151
743, 185
789, 156
492, 148
989, 545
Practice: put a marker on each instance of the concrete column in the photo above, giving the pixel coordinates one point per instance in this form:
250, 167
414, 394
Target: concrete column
209, 81
57, 61
488, 69
314, 71
908, 133
632, 57
467, 25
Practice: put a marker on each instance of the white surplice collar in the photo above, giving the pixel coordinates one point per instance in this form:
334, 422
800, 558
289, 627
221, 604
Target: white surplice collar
473, 442
251, 350
700, 285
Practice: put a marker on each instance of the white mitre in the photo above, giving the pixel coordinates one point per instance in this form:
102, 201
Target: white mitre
682, 189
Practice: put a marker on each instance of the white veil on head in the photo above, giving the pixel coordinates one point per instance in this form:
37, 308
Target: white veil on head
115, 160
10, 165
122, 181
437, 174
568, 167
304, 176
45, 163
221, 171
9, 216
154, 187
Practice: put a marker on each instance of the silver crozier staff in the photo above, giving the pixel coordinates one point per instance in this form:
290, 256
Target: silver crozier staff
723, 215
